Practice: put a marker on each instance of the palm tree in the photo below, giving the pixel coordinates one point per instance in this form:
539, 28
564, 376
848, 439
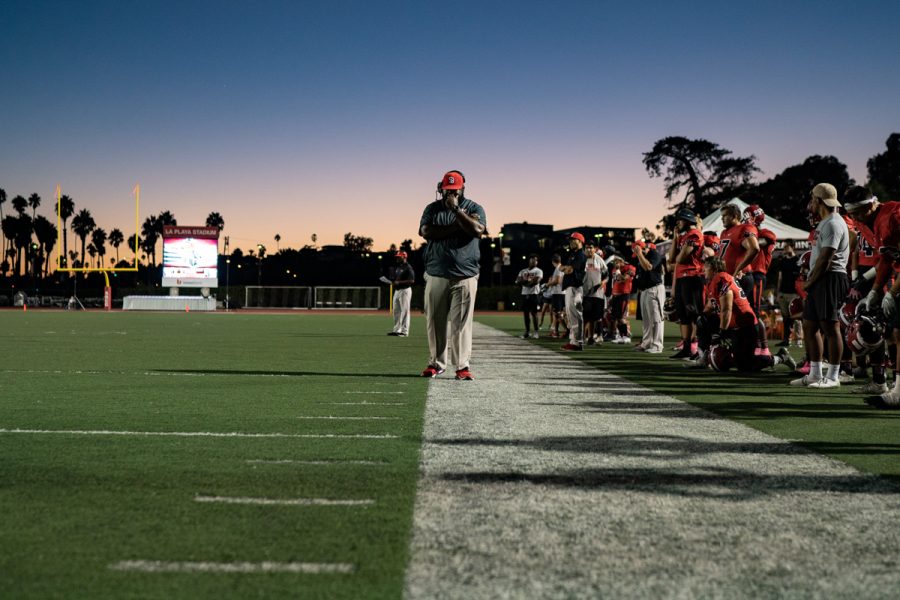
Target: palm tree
23, 241
73, 258
2, 202
98, 239
82, 225
215, 220
115, 240
19, 203
8, 226
277, 240
34, 201
150, 232
66, 209
46, 232
92, 251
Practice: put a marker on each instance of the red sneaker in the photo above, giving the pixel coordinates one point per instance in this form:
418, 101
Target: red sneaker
465, 374
572, 347
432, 371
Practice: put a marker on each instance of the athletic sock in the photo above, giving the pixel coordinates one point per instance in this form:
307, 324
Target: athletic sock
815, 369
833, 371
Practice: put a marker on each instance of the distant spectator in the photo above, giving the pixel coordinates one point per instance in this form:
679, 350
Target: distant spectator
649, 280
595, 276
788, 269
573, 278
530, 280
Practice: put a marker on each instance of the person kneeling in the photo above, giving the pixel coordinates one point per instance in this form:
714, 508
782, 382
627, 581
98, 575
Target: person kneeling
738, 325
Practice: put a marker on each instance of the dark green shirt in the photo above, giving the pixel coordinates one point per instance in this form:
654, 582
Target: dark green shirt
456, 256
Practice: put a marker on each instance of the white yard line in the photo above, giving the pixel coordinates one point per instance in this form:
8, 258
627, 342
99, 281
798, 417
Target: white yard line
365, 403
331, 418
158, 566
373, 392
288, 461
230, 434
589, 486
281, 501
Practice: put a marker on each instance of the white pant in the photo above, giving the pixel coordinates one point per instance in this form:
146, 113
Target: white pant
449, 302
574, 315
401, 310
652, 300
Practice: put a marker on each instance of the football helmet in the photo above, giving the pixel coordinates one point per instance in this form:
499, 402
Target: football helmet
796, 308
669, 309
848, 313
805, 259
754, 214
721, 358
865, 334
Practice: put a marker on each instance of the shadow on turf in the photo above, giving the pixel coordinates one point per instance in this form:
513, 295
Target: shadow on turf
285, 373
740, 410
702, 482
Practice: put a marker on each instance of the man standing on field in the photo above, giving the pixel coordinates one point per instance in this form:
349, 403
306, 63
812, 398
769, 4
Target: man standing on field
452, 225
404, 278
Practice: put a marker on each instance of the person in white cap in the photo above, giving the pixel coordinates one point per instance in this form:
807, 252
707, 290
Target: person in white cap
404, 278
827, 285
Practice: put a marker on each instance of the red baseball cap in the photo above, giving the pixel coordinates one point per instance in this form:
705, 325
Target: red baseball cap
638, 243
577, 236
400, 255
453, 180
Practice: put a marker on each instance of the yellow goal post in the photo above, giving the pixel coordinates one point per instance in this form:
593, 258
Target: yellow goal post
136, 192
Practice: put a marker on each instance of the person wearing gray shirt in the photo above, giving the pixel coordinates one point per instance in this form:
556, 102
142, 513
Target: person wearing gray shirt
827, 285
453, 226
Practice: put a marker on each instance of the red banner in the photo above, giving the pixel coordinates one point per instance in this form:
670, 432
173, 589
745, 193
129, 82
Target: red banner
177, 231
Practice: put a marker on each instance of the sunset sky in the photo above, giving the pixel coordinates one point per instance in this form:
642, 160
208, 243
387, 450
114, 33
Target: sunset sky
331, 116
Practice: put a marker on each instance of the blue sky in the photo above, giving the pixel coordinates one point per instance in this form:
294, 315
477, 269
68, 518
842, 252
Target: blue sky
327, 117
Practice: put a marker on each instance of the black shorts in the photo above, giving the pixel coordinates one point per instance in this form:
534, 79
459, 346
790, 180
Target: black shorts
531, 303
825, 298
619, 306
592, 308
559, 302
689, 298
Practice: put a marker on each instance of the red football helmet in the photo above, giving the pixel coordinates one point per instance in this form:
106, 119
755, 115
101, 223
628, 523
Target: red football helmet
848, 313
721, 358
805, 259
754, 214
796, 308
865, 334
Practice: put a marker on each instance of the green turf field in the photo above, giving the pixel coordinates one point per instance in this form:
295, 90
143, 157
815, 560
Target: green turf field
73, 505
833, 422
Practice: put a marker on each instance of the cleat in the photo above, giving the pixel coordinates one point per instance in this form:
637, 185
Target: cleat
393, 333
787, 359
804, 381
888, 400
872, 388
683, 353
846, 377
697, 363
465, 374
535, 336
825, 384
572, 347
432, 371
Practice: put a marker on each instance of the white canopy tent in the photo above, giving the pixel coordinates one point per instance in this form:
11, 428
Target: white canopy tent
713, 222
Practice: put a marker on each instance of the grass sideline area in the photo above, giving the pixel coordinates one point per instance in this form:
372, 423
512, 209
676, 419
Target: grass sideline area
835, 423
73, 505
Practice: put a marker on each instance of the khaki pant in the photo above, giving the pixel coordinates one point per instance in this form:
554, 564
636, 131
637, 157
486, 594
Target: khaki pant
449, 302
401, 310
574, 315
652, 300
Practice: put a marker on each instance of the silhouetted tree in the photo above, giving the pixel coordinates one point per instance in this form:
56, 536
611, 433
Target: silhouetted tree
786, 195
356, 243
82, 225
34, 201
66, 210
884, 170
215, 220
698, 174
115, 240
98, 239
46, 233
150, 231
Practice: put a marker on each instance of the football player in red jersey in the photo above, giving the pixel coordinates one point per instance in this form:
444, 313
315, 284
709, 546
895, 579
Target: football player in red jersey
686, 254
736, 322
766, 239
738, 247
710, 244
621, 292
882, 220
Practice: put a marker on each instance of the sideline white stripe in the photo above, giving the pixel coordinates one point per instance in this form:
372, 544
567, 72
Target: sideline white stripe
232, 434
282, 502
373, 392
353, 418
158, 566
285, 461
